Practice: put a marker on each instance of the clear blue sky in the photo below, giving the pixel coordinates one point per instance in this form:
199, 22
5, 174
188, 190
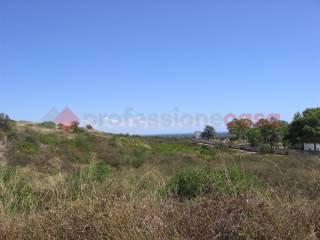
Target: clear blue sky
197, 56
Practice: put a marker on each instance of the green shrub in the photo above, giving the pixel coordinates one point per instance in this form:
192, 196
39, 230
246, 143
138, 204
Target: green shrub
189, 183
186, 183
49, 125
4, 122
81, 142
29, 148
264, 149
136, 162
136, 158
49, 139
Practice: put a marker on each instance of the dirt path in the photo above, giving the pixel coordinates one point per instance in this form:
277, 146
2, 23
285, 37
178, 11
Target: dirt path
243, 151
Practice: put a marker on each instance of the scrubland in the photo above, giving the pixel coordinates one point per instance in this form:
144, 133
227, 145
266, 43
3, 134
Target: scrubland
91, 185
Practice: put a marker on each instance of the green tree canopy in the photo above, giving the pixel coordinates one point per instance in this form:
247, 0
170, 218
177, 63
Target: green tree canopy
4, 121
209, 132
305, 127
254, 136
238, 129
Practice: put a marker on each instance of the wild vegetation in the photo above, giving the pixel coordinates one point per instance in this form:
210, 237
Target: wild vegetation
91, 185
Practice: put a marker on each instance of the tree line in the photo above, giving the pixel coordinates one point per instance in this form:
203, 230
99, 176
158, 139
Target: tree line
305, 128
274, 133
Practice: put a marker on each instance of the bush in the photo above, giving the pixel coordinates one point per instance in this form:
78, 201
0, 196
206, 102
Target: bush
50, 125
136, 162
49, 139
81, 141
264, 149
89, 127
189, 183
29, 148
4, 122
136, 158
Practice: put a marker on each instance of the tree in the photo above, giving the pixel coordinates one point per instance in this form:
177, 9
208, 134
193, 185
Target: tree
283, 132
4, 116
264, 126
254, 136
270, 131
4, 121
75, 126
208, 133
295, 131
305, 128
89, 127
311, 125
274, 137
238, 129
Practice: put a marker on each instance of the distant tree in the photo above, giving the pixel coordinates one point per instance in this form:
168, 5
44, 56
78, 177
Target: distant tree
311, 125
305, 128
208, 133
295, 131
75, 126
48, 124
89, 127
4, 121
270, 131
274, 134
264, 126
238, 129
254, 136
283, 133
4, 116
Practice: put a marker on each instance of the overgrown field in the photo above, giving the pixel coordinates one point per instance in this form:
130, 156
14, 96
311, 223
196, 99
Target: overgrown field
90, 185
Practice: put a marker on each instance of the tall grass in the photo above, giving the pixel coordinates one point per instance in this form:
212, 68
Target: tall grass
190, 183
15, 194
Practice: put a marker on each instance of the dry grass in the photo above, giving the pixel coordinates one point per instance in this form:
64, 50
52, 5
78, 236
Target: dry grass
56, 192
213, 217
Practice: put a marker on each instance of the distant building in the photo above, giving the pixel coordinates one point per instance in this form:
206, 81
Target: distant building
198, 135
312, 147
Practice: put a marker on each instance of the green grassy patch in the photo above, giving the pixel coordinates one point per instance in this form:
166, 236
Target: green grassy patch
29, 148
190, 183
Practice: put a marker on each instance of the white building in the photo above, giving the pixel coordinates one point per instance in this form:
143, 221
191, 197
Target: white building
312, 147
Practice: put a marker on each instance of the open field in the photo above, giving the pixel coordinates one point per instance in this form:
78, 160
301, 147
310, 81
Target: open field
91, 185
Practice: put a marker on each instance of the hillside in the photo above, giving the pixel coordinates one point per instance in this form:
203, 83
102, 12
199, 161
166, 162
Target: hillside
93, 185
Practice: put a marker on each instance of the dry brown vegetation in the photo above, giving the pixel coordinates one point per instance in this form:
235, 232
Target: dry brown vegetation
91, 185
213, 217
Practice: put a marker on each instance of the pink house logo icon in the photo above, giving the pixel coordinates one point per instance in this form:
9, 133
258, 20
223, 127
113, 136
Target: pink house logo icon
66, 118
